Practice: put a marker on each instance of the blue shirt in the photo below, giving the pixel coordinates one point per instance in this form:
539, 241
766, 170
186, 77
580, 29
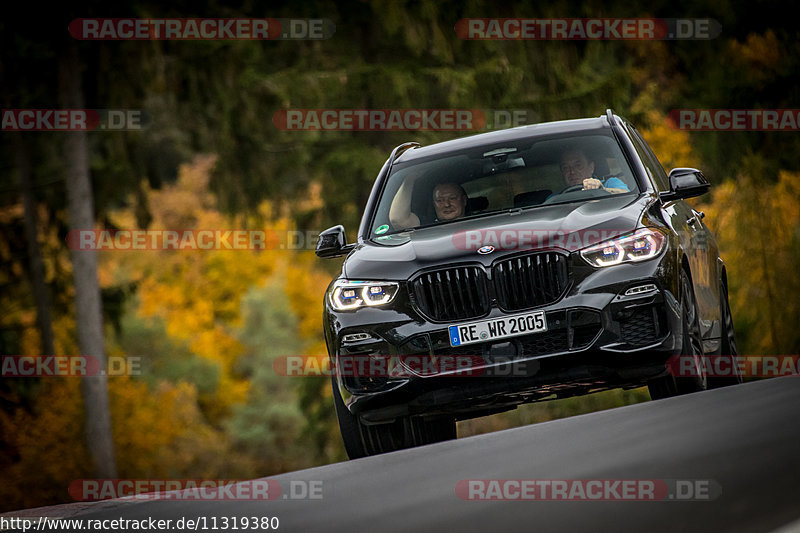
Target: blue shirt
612, 182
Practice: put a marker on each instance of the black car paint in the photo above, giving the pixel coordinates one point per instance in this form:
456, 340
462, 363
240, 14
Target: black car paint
402, 257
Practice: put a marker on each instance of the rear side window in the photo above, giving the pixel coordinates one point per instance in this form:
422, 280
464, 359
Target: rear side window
649, 160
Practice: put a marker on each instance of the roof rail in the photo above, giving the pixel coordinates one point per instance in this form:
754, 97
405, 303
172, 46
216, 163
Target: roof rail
398, 151
612, 120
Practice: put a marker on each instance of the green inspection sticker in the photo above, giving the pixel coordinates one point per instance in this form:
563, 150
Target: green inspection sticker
382, 229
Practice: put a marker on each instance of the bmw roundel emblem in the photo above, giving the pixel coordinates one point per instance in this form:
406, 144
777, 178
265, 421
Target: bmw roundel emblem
485, 250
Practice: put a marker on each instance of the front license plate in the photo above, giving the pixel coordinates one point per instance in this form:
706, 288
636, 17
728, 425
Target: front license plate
497, 328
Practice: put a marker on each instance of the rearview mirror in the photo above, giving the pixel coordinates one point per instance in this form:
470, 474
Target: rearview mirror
685, 183
332, 243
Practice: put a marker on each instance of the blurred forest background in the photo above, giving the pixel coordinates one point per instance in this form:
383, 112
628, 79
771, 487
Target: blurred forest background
207, 325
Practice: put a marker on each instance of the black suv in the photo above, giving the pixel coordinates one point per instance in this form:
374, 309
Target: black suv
514, 266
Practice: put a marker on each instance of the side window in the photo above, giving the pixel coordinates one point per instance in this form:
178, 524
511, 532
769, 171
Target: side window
650, 160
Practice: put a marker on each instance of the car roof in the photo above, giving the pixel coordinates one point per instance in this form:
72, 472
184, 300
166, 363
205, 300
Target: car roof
580, 125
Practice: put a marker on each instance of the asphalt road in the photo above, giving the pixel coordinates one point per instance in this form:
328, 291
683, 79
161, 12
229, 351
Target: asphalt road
743, 439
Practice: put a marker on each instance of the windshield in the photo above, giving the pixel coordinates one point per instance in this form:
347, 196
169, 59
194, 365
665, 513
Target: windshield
522, 174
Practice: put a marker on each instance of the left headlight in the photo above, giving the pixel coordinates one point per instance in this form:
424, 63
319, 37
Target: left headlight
641, 245
346, 295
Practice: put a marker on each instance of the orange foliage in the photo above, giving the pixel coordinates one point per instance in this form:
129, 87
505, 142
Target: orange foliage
157, 433
758, 228
161, 432
167, 429
197, 293
671, 145
759, 53
51, 447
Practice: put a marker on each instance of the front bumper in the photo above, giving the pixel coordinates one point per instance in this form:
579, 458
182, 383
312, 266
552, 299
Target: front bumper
598, 338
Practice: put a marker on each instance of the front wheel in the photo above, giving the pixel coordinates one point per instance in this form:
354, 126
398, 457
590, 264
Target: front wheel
348, 425
728, 344
692, 346
361, 440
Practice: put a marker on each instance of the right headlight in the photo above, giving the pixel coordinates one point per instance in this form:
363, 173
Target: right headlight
347, 295
641, 245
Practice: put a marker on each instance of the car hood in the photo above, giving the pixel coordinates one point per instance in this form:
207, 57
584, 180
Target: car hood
567, 227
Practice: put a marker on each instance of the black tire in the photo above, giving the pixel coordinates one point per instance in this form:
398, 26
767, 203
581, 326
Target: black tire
348, 426
671, 385
727, 345
361, 440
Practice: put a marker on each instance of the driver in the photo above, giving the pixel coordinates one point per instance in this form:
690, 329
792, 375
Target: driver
578, 169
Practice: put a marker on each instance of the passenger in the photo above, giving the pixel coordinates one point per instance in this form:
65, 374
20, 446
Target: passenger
449, 202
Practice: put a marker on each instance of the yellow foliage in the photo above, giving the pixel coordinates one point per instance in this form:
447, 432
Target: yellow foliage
158, 434
759, 53
197, 293
17, 302
671, 145
50, 446
161, 433
758, 228
306, 287
31, 340
63, 332
170, 429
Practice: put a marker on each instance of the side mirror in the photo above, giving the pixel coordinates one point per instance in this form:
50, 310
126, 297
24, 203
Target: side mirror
685, 183
332, 243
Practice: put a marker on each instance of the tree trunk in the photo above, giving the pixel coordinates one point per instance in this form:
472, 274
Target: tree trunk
88, 304
41, 294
